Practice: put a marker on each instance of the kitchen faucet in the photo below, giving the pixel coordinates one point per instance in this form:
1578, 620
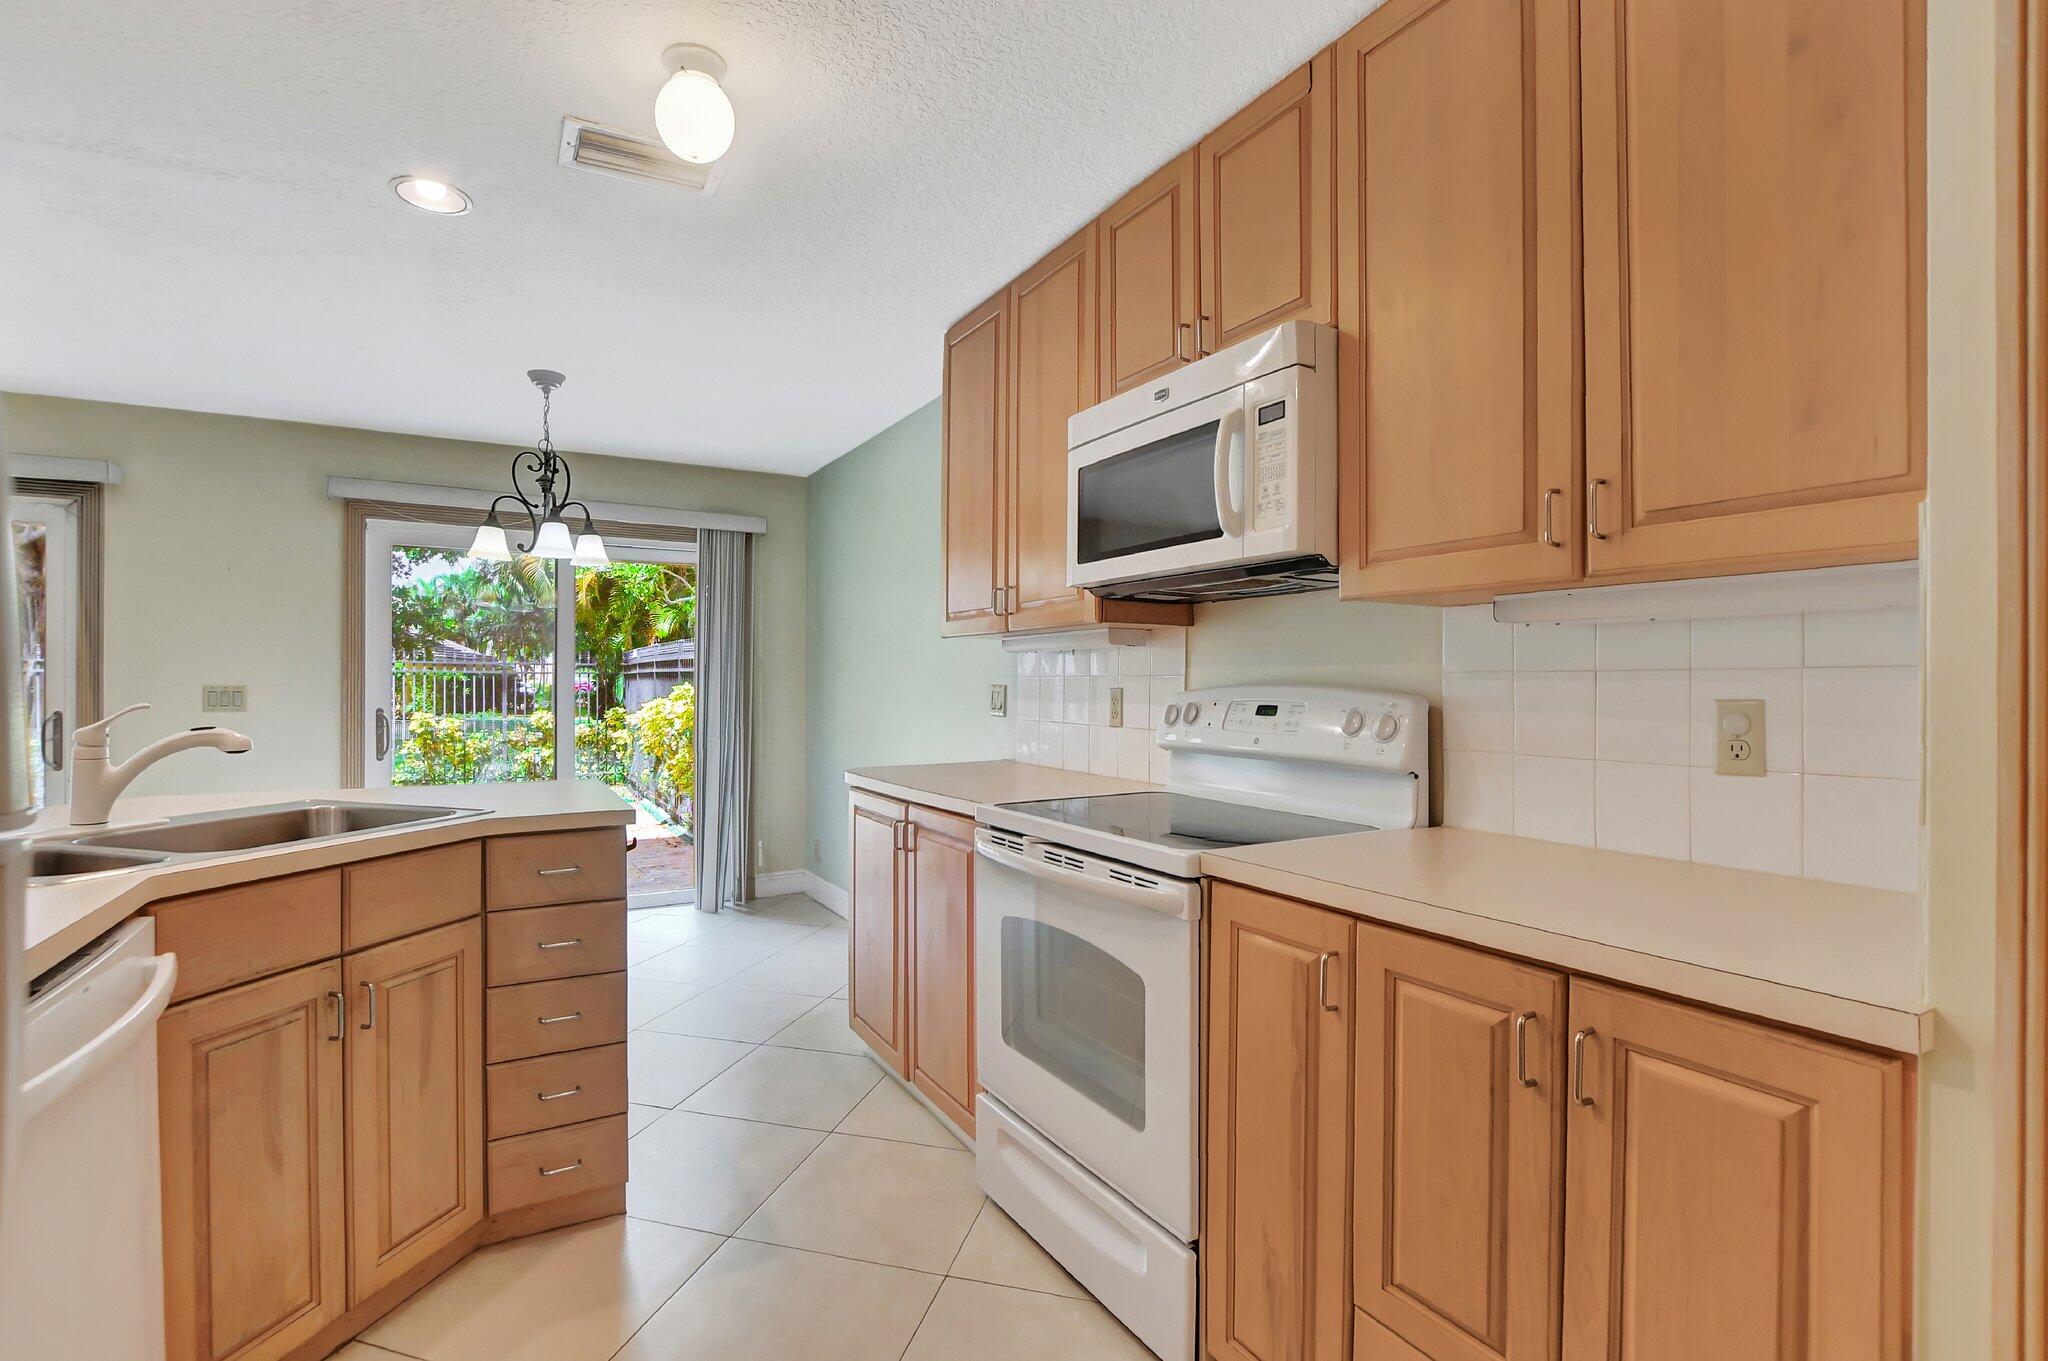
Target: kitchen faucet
96, 781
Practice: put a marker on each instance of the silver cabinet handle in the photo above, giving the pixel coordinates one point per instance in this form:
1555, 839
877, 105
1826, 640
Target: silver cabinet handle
1593, 507
53, 740
1522, 1049
383, 734
560, 944
1202, 336
558, 1171
340, 1015
557, 1020
995, 600
1579, 1097
1323, 981
1180, 335
1549, 520
557, 1096
556, 873
370, 1020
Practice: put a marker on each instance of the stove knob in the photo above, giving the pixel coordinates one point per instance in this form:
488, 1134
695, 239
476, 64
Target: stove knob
1192, 712
1172, 714
1354, 723
1384, 727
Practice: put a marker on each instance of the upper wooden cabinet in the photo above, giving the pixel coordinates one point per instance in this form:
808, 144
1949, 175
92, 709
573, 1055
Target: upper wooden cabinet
1268, 212
1457, 301
1755, 283
1732, 1190
976, 420
1053, 304
1149, 278
940, 886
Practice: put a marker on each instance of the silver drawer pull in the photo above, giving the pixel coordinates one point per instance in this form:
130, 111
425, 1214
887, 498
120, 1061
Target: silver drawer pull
558, 1171
557, 1020
560, 944
557, 1096
566, 869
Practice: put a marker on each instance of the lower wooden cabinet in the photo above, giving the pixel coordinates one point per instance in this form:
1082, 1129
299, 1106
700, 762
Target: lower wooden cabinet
1277, 1046
1538, 1162
254, 1198
912, 942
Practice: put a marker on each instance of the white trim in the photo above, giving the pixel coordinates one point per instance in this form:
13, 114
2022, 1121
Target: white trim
818, 887
667, 897
1877, 586
470, 498
57, 469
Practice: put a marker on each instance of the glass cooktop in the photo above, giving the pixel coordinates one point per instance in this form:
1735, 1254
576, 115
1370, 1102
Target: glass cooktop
1183, 821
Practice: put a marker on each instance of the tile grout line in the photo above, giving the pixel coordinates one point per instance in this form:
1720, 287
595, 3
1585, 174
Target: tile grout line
688, 1276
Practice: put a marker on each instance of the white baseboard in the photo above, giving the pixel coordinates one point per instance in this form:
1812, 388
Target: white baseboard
826, 892
779, 882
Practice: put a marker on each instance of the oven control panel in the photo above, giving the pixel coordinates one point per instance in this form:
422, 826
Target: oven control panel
1379, 729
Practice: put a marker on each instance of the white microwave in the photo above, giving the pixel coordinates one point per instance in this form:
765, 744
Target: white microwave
1216, 482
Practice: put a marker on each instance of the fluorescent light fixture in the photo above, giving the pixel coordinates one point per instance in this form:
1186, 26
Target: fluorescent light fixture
431, 196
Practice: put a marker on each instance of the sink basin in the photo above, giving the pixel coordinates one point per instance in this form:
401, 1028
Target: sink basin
247, 829
49, 864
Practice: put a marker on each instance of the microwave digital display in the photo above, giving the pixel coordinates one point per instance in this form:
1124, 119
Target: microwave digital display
1272, 411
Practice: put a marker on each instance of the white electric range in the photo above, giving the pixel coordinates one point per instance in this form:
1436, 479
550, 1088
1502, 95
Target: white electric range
1088, 970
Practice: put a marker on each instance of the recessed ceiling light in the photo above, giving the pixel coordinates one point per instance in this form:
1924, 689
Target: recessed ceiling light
430, 196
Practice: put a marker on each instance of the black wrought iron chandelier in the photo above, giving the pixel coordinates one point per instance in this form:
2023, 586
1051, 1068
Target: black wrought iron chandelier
548, 508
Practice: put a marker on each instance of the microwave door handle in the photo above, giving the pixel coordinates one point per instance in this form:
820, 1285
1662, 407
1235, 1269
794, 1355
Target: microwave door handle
1228, 427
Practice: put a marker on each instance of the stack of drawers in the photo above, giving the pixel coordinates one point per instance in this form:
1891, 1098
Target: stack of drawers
555, 1017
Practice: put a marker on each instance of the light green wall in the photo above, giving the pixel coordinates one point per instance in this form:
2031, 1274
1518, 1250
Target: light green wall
884, 686
224, 563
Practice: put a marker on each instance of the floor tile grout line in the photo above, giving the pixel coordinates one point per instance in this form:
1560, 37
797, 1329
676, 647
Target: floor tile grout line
954, 1147
688, 1276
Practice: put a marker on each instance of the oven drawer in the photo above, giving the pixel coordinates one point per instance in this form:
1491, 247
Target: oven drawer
555, 1016
533, 943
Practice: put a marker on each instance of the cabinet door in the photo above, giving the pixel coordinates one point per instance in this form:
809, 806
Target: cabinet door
976, 422
1147, 239
876, 984
415, 1101
250, 1110
941, 948
1277, 1133
1457, 300
1268, 212
1732, 1190
1055, 376
1460, 1135
1755, 283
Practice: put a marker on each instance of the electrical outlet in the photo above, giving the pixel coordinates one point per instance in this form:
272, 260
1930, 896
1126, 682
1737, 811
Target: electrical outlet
998, 700
1738, 737
760, 855
223, 699
1116, 706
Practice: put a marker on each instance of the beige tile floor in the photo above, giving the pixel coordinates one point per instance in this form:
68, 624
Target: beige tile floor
788, 1201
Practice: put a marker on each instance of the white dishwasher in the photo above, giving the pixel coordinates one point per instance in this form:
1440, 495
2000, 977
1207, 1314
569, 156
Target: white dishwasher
82, 1252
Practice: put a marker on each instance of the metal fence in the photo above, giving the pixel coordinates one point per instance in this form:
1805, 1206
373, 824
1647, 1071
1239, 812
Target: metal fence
485, 691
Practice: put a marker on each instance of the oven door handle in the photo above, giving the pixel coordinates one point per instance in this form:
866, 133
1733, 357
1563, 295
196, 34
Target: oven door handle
1228, 427
1160, 893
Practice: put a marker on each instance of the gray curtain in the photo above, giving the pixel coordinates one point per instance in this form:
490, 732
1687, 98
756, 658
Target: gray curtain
725, 717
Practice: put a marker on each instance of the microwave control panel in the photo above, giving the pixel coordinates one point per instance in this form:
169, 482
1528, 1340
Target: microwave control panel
1271, 432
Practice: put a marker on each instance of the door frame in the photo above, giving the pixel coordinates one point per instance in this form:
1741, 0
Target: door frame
63, 567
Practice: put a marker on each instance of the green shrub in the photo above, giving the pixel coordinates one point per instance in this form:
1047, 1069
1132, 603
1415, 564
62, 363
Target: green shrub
665, 732
437, 750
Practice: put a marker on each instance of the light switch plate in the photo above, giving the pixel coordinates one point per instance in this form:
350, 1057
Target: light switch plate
1738, 737
998, 700
223, 699
1116, 706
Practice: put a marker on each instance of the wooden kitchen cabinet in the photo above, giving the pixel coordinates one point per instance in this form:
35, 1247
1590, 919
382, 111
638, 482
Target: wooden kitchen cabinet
876, 985
1731, 1189
975, 418
1268, 215
253, 1147
415, 1101
1149, 278
1277, 1075
1459, 1127
940, 918
1457, 300
1755, 284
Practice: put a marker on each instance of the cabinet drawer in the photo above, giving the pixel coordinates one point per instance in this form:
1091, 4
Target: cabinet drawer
556, 1089
551, 1017
557, 1162
556, 867
400, 894
232, 935
533, 943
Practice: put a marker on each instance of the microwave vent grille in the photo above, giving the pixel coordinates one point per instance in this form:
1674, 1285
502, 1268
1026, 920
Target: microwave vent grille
1290, 576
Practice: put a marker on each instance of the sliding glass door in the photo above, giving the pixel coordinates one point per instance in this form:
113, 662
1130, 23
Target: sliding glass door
45, 539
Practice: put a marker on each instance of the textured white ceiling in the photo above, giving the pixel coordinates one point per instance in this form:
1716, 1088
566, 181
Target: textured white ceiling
194, 211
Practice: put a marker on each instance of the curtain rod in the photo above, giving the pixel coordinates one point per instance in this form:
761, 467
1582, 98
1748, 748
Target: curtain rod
471, 498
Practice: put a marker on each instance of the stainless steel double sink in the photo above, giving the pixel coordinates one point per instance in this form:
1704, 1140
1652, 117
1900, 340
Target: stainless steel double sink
201, 836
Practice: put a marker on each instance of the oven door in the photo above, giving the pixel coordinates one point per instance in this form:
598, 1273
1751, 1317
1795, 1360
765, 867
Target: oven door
1085, 1014
1165, 495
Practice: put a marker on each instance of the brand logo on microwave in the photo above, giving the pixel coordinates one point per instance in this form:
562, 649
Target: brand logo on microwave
1161, 394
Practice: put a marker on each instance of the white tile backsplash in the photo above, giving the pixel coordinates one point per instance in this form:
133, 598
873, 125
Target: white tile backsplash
1064, 699
1605, 735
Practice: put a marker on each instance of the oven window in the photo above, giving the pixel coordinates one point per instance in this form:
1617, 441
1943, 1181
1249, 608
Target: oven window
1077, 1013
1156, 496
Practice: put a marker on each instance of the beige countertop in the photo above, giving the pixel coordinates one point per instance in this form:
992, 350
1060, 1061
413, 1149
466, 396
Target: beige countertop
1832, 958
962, 786
63, 917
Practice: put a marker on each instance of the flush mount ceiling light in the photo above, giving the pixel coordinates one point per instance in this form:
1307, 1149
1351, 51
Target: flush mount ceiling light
431, 196
692, 113
547, 508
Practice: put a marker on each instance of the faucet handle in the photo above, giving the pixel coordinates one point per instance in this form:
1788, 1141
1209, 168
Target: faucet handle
95, 734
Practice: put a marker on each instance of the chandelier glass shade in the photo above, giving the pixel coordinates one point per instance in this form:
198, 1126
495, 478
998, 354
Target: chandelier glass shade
541, 483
